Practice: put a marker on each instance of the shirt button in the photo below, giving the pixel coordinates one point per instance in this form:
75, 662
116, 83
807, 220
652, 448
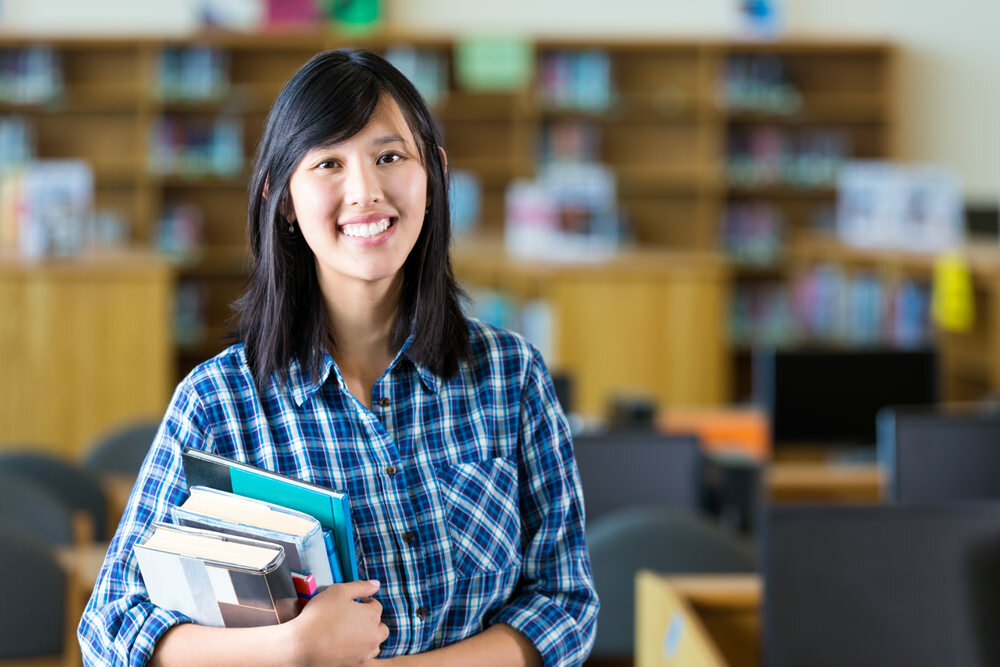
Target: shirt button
391, 470
384, 402
422, 612
409, 537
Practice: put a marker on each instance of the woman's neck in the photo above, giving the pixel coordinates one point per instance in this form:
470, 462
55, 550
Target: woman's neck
362, 321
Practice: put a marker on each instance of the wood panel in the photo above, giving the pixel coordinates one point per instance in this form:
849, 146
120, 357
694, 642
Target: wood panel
644, 323
85, 345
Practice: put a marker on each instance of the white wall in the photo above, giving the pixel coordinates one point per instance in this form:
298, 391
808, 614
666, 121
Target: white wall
949, 78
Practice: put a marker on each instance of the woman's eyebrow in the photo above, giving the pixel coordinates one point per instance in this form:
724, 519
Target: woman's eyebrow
390, 139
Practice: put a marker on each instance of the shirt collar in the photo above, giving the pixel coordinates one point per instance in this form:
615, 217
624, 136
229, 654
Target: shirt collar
303, 385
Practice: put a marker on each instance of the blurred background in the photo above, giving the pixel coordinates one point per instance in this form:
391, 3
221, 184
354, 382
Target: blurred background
751, 239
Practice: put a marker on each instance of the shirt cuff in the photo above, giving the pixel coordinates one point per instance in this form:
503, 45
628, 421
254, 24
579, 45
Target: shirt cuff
560, 638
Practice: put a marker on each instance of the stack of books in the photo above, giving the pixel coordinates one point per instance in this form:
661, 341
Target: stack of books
248, 547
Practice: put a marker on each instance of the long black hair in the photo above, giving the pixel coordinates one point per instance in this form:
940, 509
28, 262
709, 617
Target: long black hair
281, 316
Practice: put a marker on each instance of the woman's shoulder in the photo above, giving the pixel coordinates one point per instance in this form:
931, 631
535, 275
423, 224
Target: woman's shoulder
495, 347
228, 369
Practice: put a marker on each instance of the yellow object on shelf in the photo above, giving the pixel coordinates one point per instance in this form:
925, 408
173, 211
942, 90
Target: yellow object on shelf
952, 302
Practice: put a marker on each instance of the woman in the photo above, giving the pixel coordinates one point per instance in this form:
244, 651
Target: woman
357, 370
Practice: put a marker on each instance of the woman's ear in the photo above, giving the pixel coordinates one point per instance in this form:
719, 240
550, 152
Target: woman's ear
444, 159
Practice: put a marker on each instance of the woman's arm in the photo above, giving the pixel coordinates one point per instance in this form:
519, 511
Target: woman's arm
498, 645
333, 629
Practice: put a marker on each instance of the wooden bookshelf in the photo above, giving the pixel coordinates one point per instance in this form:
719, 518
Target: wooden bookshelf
667, 133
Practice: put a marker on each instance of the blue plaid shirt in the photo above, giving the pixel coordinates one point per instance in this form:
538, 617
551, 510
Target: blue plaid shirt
464, 494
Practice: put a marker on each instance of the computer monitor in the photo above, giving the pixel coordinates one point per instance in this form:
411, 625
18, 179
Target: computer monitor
936, 456
829, 397
885, 586
620, 469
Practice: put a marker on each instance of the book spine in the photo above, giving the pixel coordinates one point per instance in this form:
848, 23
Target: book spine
336, 571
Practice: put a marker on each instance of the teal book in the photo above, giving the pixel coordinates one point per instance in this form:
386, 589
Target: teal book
329, 506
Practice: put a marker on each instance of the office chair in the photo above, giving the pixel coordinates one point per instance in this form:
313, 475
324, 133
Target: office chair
661, 539
38, 617
75, 487
626, 468
122, 450
33, 509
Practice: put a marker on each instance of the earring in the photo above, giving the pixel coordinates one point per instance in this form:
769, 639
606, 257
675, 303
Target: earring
291, 227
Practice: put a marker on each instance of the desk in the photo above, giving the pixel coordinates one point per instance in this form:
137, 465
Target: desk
697, 620
823, 481
82, 564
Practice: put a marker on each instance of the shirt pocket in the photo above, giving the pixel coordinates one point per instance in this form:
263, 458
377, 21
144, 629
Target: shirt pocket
483, 516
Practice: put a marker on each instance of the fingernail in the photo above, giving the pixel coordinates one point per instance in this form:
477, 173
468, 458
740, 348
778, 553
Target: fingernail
375, 582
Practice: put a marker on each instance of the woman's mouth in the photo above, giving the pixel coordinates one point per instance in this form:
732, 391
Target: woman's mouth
367, 230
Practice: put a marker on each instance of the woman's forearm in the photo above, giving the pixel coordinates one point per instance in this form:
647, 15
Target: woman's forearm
189, 644
497, 646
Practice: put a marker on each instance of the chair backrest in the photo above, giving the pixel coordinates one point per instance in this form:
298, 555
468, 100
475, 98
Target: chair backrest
122, 450
886, 585
34, 616
75, 487
663, 540
35, 510
935, 456
621, 469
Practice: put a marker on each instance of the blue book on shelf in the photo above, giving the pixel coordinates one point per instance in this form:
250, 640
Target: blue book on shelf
330, 507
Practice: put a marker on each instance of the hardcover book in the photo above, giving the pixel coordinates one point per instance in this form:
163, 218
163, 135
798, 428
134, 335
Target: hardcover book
328, 506
216, 579
301, 535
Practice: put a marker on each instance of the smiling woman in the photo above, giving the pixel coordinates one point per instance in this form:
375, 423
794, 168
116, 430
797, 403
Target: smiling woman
357, 370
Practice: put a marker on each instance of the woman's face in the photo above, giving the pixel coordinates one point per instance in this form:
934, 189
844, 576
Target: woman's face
360, 203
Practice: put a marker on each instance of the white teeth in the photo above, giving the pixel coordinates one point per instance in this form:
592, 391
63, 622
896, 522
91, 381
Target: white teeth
367, 231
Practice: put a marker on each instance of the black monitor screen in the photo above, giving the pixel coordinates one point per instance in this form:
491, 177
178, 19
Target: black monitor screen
825, 396
638, 468
940, 456
882, 586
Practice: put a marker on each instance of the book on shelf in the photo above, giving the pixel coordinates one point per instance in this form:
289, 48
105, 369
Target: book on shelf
309, 548
215, 578
329, 507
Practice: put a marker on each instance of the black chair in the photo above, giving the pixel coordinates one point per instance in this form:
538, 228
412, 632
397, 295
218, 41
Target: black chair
34, 510
664, 540
37, 619
940, 455
122, 450
626, 468
75, 487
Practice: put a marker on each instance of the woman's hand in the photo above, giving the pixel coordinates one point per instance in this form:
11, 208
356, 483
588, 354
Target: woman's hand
334, 629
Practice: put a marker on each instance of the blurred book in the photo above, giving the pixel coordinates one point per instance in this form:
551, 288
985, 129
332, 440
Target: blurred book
905, 207
47, 208
427, 70
569, 213
494, 64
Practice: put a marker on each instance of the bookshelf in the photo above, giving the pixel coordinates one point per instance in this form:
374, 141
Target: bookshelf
693, 130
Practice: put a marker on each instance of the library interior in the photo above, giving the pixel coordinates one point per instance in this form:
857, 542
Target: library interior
756, 244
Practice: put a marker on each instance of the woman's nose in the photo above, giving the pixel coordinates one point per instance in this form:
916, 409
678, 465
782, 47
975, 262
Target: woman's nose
362, 187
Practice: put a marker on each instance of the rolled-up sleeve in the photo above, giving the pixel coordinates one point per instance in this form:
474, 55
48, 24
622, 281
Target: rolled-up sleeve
555, 606
120, 626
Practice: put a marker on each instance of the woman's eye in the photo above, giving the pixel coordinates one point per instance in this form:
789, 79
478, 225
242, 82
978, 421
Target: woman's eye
389, 158
327, 164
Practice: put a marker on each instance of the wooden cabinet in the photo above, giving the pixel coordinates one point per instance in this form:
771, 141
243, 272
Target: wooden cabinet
646, 323
84, 347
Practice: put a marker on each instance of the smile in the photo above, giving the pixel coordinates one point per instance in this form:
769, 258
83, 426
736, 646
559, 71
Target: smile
368, 230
